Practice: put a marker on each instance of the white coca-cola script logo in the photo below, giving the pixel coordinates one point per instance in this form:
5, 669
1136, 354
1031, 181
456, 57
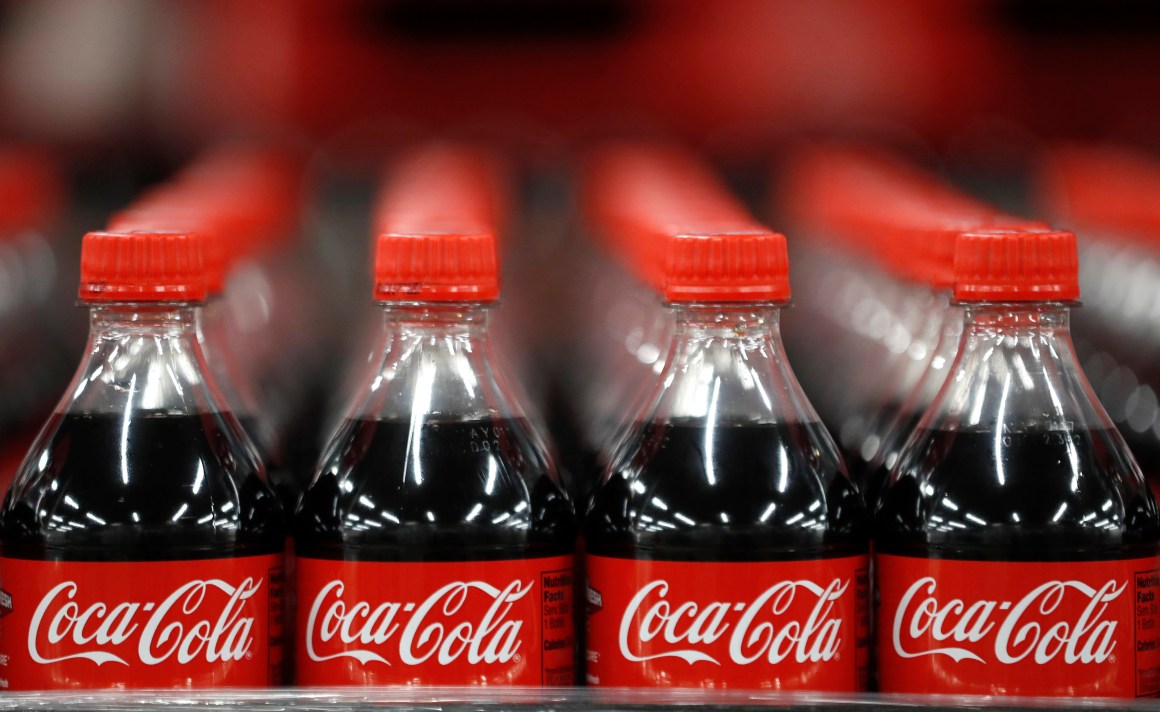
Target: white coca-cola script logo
757, 629
185, 626
1027, 627
433, 630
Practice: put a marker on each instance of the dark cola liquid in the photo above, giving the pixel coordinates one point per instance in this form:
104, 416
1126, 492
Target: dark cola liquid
146, 488
444, 491
1039, 495
734, 492
1145, 448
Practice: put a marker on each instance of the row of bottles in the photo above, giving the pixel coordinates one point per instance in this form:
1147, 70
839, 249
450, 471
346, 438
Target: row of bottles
715, 538
1015, 542
144, 545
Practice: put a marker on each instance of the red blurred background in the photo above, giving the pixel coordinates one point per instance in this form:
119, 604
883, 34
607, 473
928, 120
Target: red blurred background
732, 76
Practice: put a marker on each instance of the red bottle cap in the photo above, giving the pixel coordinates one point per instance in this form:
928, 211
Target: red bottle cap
1016, 266
437, 228
437, 267
727, 267
187, 220
142, 267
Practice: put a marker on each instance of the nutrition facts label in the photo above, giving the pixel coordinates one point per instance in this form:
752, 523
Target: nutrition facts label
1147, 601
862, 627
277, 616
5, 609
558, 634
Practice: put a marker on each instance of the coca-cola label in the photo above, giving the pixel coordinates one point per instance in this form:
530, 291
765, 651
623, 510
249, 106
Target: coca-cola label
461, 623
1088, 628
204, 623
790, 625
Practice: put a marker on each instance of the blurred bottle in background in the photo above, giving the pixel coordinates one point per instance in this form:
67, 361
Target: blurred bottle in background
628, 192
226, 201
37, 333
1108, 195
876, 321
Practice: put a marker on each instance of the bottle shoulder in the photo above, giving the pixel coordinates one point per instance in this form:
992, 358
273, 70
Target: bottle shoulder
386, 486
1039, 492
735, 490
128, 486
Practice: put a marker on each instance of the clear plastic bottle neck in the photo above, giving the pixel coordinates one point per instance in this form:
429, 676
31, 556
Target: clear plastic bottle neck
142, 357
1013, 318
727, 362
434, 362
457, 317
1016, 369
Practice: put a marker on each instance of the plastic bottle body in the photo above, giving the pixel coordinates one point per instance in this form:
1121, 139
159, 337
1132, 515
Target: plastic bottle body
728, 489
434, 486
138, 494
1015, 488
